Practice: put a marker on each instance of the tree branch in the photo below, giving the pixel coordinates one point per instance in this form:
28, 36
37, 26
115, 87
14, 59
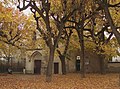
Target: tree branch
115, 5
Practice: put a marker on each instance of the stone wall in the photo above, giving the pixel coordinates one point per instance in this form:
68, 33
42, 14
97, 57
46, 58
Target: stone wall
113, 67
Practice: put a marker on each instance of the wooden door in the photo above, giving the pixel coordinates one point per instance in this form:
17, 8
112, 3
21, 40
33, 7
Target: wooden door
37, 66
56, 68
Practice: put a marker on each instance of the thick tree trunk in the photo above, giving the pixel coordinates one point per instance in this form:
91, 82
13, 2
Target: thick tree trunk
50, 65
82, 57
63, 67
62, 56
111, 23
81, 40
102, 64
63, 64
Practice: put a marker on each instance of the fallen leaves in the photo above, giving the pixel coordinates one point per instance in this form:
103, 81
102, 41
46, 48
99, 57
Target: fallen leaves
69, 81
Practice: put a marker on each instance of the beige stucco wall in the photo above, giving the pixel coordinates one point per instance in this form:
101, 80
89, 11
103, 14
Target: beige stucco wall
28, 67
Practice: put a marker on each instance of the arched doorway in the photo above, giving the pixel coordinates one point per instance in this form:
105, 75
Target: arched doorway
36, 57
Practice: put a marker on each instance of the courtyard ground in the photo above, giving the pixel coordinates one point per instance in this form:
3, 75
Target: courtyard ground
69, 81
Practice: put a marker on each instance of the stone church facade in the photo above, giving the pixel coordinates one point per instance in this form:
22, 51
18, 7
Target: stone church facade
36, 63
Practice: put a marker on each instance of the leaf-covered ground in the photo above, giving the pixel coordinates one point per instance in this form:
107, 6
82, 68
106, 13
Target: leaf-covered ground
69, 81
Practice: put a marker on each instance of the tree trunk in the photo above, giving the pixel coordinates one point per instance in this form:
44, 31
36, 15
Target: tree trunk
50, 65
63, 64
82, 56
62, 56
81, 40
111, 23
102, 64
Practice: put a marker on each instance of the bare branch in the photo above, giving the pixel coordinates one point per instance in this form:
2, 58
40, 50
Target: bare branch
115, 5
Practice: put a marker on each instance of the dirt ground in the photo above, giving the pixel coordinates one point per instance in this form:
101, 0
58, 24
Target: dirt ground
69, 81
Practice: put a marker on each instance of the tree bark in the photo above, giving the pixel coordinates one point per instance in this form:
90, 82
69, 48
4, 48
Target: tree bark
83, 59
81, 40
62, 56
63, 65
50, 65
102, 63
